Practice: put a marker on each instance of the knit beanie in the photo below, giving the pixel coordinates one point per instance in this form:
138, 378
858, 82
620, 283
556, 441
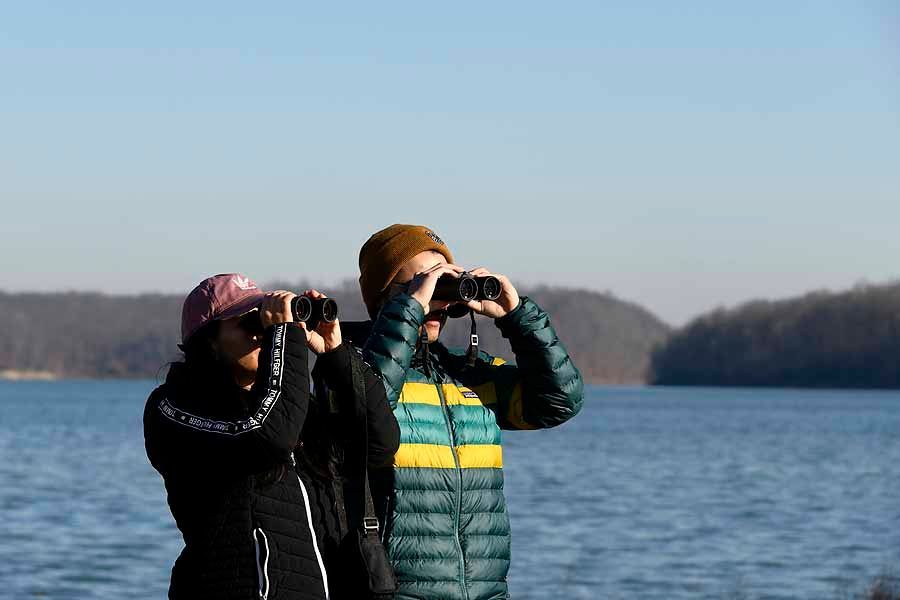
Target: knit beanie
384, 254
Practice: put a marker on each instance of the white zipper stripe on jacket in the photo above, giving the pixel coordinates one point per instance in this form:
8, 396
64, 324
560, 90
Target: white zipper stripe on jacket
262, 571
312, 532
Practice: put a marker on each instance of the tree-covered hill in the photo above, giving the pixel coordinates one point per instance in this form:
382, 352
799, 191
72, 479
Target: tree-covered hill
79, 334
822, 339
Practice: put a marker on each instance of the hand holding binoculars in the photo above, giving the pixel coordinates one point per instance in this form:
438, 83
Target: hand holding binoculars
466, 288
304, 309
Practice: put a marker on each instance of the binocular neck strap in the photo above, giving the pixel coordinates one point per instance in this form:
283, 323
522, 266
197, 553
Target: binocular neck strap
472, 352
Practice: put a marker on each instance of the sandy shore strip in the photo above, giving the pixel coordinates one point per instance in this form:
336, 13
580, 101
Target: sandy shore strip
16, 375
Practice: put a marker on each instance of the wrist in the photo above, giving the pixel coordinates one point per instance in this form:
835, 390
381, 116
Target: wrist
331, 366
422, 302
407, 307
511, 313
513, 304
329, 348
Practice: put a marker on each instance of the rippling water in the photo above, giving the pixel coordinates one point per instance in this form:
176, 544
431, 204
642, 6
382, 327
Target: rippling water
649, 493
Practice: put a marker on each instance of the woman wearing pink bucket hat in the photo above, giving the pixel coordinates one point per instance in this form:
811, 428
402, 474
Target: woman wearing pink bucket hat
262, 478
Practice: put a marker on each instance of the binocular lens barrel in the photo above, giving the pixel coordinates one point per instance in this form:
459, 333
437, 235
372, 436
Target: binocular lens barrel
312, 311
466, 288
490, 287
329, 310
455, 289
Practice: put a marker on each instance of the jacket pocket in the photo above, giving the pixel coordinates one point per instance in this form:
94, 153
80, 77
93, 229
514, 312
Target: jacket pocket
261, 542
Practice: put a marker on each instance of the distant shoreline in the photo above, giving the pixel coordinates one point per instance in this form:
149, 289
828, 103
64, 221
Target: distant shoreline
14, 375
17, 375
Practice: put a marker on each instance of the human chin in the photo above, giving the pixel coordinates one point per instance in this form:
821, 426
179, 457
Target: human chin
433, 330
250, 361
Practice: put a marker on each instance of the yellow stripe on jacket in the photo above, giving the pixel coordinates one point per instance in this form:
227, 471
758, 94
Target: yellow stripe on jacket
436, 456
426, 393
514, 408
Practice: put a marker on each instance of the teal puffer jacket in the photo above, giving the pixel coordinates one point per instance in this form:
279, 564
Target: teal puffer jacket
447, 526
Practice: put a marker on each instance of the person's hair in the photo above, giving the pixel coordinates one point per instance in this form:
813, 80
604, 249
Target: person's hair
199, 353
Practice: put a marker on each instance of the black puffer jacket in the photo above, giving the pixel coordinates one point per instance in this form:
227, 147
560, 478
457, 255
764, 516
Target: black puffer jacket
256, 522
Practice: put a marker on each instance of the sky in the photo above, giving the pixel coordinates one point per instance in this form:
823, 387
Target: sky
683, 156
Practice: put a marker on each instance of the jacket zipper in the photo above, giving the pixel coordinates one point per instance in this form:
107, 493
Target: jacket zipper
312, 531
388, 518
262, 568
462, 563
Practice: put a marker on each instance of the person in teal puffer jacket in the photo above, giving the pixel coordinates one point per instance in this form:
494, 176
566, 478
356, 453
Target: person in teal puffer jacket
445, 520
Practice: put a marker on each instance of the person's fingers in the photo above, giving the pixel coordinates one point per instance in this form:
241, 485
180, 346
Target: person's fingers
442, 270
276, 308
285, 302
480, 272
277, 298
423, 284
314, 341
306, 332
432, 268
326, 326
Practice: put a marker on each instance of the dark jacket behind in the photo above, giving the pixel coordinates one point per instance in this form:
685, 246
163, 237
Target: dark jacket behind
258, 519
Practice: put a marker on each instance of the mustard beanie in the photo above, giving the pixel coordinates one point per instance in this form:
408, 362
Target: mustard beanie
383, 255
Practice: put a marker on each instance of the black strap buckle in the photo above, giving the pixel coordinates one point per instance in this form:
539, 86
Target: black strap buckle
370, 524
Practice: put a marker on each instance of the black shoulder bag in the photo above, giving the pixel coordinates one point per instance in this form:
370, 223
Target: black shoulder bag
382, 582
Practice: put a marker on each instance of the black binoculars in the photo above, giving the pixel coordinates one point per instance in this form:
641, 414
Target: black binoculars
466, 288
313, 311
307, 310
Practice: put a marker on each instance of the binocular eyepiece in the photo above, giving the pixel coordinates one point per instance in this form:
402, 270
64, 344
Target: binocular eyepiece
466, 288
313, 311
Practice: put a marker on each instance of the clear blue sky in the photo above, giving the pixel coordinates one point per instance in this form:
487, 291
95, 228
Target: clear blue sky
683, 155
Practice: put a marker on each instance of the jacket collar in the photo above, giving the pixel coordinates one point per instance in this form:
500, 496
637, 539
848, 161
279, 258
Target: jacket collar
427, 358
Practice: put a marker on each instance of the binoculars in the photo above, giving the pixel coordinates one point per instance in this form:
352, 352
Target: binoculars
304, 309
313, 311
466, 288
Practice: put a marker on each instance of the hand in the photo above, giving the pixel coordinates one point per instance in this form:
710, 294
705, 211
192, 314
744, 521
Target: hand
422, 285
326, 336
502, 306
276, 308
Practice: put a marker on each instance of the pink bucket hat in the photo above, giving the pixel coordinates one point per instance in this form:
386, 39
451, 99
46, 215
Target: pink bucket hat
217, 298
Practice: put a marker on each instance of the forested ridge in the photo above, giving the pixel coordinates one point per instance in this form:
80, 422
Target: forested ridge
822, 339
79, 334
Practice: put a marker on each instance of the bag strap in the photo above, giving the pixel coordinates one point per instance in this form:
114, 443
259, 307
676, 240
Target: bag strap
370, 520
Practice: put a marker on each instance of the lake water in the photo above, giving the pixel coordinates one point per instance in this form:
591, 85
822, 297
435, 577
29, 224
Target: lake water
649, 493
